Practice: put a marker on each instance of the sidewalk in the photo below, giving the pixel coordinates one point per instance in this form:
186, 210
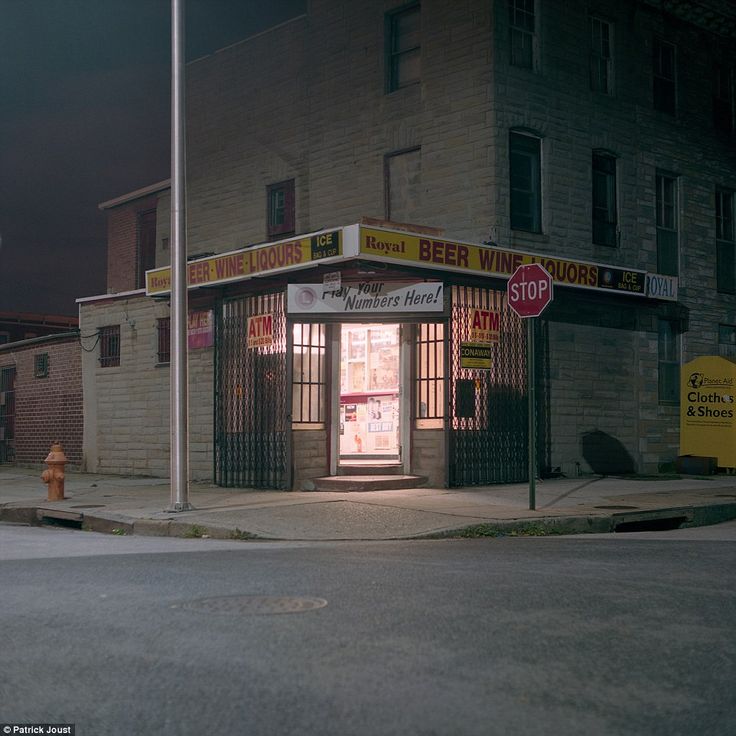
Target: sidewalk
133, 505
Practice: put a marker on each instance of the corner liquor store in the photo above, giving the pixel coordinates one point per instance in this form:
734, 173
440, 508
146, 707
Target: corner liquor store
378, 332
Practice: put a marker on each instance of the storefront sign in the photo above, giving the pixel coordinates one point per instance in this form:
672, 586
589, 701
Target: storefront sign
661, 287
201, 330
484, 325
242, 264
365, 297
708, 409
260, 331
473, 355
431, 252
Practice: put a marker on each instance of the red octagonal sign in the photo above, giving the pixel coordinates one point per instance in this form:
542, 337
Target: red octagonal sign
529, 290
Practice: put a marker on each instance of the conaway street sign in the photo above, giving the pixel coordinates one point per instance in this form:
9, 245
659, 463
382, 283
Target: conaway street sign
365, 297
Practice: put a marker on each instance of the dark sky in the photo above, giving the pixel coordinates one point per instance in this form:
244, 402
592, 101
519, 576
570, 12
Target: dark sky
84, 117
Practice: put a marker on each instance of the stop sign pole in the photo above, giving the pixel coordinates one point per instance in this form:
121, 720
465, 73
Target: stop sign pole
528, 294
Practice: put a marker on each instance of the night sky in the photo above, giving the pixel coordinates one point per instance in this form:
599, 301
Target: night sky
84, 117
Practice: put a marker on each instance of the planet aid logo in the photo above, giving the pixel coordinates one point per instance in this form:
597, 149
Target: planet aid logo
710, 397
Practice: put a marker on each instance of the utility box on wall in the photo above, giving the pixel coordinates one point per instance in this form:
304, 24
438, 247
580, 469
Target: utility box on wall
708, 410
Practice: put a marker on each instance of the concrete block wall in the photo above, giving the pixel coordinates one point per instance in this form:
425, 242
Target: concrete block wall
127, 407
428, 456
48, 408
309, 448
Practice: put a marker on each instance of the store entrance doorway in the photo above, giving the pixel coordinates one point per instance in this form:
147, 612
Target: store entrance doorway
370, 396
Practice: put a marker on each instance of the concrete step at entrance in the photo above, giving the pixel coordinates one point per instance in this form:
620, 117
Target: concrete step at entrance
345, 483
371, 469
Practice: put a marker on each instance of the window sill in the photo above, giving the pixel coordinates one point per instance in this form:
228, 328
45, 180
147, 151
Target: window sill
518, 236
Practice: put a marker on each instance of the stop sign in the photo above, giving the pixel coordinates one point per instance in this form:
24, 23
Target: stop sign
529, 290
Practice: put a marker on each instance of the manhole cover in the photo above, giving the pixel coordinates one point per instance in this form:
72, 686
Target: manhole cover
617, 508
255, 604
89, 506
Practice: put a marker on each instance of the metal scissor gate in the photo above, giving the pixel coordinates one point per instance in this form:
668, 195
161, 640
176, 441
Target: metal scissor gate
488, 407
251, 393
7, 414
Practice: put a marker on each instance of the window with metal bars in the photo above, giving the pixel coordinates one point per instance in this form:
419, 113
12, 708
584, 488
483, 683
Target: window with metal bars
429, 382
308, 384
41, 365
110, 346
163, 332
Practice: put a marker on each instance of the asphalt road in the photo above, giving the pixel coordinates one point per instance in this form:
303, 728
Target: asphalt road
587, 635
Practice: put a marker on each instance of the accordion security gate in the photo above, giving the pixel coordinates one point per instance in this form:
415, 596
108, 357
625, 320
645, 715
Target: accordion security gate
488, 408
7, 415
251, 411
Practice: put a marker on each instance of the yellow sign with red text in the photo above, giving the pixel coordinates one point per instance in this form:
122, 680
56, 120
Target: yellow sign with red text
436, 253
248, 262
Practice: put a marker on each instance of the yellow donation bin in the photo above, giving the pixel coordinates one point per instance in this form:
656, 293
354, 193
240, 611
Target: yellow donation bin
708, 409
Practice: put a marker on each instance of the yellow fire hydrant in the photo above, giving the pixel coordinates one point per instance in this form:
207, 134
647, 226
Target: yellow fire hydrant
54, 476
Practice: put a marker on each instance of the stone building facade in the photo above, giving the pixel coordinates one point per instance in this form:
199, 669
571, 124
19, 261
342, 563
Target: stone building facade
595, 132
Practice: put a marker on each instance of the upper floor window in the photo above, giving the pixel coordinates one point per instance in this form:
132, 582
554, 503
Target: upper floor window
601, 58
667, 249
280, 216
604, 199
109, 346
725, 242
723, 99
403, 47
525, 182
522, 29
664, 76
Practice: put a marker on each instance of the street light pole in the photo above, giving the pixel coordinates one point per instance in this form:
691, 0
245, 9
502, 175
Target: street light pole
179, 381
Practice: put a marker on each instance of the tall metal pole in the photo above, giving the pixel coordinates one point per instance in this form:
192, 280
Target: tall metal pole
179, 381
532, 386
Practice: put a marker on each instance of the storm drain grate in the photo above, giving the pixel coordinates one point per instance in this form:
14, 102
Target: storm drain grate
661, 524
616, 508
254, 604
89, 506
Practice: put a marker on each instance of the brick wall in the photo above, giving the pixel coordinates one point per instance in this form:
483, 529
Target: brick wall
122, 244
49, 408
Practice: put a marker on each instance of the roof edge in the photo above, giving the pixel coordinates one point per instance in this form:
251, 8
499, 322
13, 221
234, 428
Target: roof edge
137, 194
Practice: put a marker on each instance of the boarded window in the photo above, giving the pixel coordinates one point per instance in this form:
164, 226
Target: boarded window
403, 183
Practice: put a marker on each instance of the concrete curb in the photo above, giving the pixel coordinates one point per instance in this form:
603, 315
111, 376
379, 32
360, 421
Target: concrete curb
585, 523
